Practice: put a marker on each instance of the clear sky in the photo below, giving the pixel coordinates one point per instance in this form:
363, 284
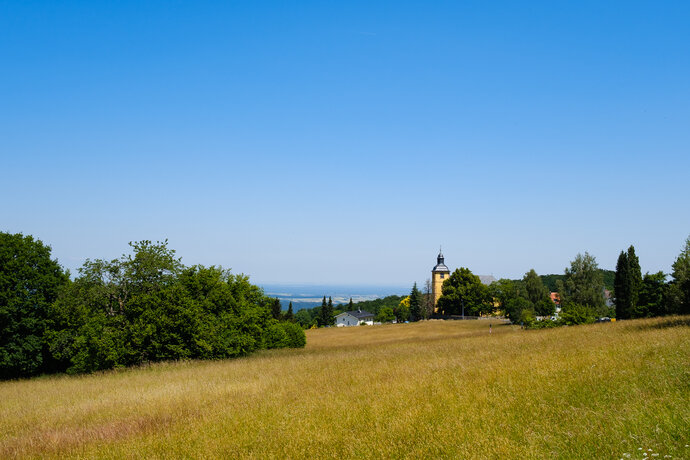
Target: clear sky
343, 142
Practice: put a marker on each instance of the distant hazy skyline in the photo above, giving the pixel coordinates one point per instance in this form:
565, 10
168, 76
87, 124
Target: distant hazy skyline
343, 143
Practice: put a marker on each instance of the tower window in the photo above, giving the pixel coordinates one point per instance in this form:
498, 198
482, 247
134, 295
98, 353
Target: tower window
443, 275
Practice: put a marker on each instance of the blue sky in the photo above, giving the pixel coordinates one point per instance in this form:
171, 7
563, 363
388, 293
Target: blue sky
322, 143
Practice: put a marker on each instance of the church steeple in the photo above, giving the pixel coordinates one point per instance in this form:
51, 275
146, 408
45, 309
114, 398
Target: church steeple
438, 275
439, 259
440, 265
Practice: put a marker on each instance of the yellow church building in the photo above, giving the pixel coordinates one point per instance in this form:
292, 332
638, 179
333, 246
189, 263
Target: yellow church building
439, 274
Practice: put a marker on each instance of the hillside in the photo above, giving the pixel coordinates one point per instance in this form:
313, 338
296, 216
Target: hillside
424, 390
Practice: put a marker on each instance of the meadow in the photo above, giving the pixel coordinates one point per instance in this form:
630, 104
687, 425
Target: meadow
426, 390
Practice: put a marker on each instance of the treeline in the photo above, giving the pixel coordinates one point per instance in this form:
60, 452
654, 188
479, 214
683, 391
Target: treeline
581, 293
143, 307
324, 314
551, 281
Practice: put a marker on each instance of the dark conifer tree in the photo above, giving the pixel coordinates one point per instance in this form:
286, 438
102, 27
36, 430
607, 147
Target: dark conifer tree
323, 313
621, 287
290, 315
276, 311
416, 304
635, 274
351, 306
627, 284
329, 318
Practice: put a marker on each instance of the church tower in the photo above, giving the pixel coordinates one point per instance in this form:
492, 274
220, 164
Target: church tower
439, 274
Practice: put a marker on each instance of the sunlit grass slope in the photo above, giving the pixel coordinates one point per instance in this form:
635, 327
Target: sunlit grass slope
427, 390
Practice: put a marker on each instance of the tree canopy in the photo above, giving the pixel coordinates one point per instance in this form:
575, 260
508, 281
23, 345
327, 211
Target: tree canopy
627, 285
583, 284
464, 291
143, 307
680, 286
29, 284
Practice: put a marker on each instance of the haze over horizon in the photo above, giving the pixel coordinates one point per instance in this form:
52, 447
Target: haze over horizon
342, 144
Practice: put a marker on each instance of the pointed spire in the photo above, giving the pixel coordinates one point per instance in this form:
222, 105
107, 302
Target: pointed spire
440, 265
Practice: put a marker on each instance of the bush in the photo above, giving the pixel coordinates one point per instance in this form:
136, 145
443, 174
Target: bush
275, 336
385, 315
285, 335
573, 314
295, 335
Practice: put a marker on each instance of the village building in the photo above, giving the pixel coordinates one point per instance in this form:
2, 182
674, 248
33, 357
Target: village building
440, 273
354, 318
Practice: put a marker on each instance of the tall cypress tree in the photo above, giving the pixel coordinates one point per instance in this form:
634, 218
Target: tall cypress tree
635, 275
627, 284
621, 286
351, 306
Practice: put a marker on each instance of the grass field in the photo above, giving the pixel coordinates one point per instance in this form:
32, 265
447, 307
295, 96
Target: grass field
427, 390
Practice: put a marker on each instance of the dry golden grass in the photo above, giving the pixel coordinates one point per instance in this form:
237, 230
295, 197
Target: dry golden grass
427, 390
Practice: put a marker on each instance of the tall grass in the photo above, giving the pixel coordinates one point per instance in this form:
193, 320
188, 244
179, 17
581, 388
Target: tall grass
427, 390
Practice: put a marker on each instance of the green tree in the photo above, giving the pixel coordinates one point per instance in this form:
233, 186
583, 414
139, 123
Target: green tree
385, 315
464, 291
290, 315
350, 305
326, 314
504, 290
416, 311
518, 308
627, 284
402, 310
306, 317
654, 295
29, 283
573, 314
276, 309
583, 285
680, 285
538, 294
148, 307
330, 319
622, 286
635, 274
323, 314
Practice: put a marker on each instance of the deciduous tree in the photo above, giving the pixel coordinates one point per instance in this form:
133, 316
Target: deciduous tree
538, 294
464, 291
29, 283
583, 285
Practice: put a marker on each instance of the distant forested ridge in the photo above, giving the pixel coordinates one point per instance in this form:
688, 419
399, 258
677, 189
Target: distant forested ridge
143, 307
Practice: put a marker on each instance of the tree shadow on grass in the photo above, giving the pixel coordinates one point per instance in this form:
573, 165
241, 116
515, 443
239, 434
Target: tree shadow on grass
665, 322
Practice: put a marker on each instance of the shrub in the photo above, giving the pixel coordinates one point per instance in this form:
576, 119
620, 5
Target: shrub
285, 335
275, 336
295, 335
573, 314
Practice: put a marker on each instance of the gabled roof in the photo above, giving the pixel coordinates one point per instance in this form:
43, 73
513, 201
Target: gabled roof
359, 314
487, 279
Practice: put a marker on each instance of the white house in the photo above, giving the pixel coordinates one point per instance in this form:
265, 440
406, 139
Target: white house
354, 318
